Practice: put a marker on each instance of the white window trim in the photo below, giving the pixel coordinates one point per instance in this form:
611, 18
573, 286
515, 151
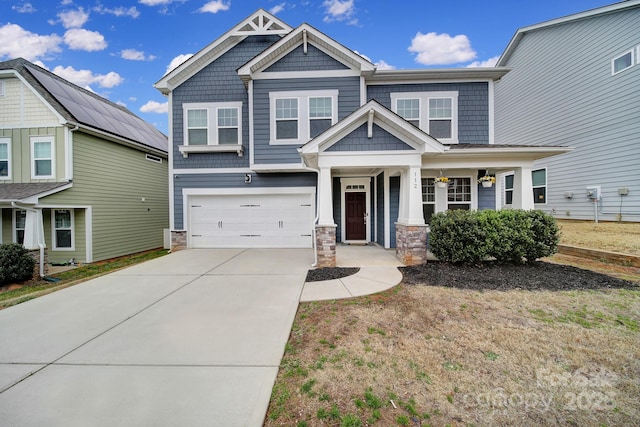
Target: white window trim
212, 129
14, 229
473, 192
545, 186
303, 113
153, 158
424, 97
633, 61
8, 142
505, 189
53, 230
51, 140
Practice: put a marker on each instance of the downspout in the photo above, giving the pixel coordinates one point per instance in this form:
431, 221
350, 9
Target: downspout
40, 244
315, 220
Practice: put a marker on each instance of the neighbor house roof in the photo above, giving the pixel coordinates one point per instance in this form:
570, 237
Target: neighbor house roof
80, 107
616, 7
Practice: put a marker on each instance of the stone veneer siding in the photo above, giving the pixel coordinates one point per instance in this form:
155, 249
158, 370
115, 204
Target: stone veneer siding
178, 240
411, 244
35, 254
326, 245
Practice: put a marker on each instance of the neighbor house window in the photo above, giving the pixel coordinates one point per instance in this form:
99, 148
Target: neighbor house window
19, 221
508, 189
459, 194
5, 158
622, 62
213, 123
539, 179
42, 165
428, 198
296, 117
436, 113
62, 229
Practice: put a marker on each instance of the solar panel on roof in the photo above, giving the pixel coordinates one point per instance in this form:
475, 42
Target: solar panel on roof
100, 113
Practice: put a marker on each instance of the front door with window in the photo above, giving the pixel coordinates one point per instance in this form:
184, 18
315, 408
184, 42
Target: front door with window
356, 211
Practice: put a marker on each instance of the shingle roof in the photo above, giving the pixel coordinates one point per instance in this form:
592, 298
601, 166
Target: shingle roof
78, 105
18, 192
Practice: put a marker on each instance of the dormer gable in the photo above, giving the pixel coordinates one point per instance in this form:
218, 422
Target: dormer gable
260, 23
302, 38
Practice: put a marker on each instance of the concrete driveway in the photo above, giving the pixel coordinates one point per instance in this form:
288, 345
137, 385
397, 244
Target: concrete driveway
192, 338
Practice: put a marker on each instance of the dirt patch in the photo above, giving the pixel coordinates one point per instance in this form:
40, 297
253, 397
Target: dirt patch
621, 237
320, 274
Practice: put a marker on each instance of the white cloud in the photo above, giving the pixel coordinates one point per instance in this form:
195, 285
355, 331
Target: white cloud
18, 42
215, 6
81, 39
23, 8
441, 49
154, 2
337, 10
133, 99
131, 12
277, 8
135, 55
73, 18
86, 77
177, 61
491, 62
155, 107
382, 65
122, 104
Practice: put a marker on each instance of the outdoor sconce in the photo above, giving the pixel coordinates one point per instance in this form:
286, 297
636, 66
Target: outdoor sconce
247, 179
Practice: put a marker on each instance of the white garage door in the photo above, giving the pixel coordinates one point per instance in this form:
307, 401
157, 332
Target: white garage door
251, 221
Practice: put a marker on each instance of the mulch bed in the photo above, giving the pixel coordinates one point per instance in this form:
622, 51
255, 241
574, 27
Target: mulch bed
320, 274
503, 277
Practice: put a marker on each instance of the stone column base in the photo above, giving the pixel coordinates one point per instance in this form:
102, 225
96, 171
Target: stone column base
35, 254
326, 245
178, 240
411, 244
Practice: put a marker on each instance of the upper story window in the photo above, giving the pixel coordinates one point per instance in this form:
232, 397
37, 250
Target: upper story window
296, 117
5, 158
436, 113
213, 123
42, 157
622, 62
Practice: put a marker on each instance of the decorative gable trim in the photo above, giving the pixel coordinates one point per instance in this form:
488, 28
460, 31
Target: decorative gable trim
304, 35
374, 113
260, 22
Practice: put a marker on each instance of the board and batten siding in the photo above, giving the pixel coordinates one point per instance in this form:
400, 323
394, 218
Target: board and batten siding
21, 161
128, 195
20, 107
217, 82
561, 92
473, 105
265, 153
233, 180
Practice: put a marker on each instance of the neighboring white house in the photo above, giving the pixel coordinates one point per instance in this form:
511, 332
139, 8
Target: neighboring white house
575, 81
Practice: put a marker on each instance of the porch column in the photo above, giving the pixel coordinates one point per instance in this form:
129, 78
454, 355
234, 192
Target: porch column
523, 189
326, 227
411, 230
33, 229
325, 199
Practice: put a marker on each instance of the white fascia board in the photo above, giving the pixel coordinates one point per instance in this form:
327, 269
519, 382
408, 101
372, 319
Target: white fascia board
304, 74
278, 167
375, 159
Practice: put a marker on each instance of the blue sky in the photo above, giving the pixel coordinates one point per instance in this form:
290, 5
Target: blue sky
120, 48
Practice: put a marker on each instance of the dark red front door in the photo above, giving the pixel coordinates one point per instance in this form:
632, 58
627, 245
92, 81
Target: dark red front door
355, 216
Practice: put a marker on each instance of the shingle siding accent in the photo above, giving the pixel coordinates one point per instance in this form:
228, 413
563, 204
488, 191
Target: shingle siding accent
217, 82
348, 101
358, 141
313, 60
234, 180
473, 105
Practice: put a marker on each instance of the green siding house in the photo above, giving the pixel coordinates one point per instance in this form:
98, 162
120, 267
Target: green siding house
79, 175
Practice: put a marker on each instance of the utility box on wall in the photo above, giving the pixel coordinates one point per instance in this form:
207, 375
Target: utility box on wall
593, 193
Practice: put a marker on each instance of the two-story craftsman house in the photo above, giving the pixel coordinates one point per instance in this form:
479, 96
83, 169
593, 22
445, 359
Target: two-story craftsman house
283, 137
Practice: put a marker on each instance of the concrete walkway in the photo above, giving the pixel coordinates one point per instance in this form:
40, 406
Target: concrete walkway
193, 338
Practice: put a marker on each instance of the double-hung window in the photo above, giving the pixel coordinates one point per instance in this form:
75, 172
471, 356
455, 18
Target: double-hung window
5, 158
428, 198
19, 222
216, 123
436, 113
539, 181
62, 229
508, 189
296, 117
459, 194
42, 155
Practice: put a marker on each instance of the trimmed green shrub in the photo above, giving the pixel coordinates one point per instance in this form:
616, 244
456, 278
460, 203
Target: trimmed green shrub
506, 235
16, 265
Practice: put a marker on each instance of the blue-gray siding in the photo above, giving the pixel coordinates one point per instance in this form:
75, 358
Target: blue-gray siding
358, 141
560, 91
234, 180
217, 82
394, 207
486, 197
348, 101
314, 60
380, 208
473, 105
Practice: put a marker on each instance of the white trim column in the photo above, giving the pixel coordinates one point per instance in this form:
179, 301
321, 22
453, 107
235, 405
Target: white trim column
325, 200
523, 188
33, 229
411, 197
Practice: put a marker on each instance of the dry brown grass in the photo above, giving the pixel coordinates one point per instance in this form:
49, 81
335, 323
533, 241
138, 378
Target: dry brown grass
622, 237
456, 357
